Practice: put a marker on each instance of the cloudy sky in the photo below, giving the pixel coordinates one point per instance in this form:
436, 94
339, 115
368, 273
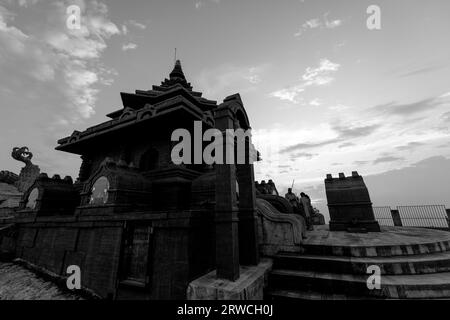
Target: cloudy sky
324, 93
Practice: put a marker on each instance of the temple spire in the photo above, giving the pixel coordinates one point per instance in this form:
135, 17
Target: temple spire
177, 77
177, 72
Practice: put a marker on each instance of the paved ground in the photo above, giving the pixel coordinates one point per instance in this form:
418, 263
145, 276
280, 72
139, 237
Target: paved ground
388, 237
18, 283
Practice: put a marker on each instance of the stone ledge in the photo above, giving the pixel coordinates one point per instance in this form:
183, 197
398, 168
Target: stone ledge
249, 286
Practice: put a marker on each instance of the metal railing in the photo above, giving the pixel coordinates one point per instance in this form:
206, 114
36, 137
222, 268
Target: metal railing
384, 216
424, 216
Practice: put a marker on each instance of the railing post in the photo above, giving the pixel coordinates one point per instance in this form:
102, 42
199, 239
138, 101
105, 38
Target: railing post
396, 218
448, 216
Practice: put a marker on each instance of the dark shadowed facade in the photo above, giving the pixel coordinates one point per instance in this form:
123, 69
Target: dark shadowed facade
140, 226
136, 224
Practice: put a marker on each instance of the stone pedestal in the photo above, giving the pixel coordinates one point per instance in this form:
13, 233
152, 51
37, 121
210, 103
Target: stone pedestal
27, 176
249, 286
349, 204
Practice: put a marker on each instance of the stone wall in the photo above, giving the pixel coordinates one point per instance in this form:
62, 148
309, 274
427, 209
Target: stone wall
95, 248
182, 249
19, 283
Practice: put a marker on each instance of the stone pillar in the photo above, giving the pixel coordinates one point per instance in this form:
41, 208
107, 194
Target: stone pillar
85, 168
226, 211
248, 229
349, 204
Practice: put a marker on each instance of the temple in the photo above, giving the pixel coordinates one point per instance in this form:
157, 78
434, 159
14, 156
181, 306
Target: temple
139, 226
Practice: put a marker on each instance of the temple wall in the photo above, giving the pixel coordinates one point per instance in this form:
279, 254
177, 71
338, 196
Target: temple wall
95, 249
182, 249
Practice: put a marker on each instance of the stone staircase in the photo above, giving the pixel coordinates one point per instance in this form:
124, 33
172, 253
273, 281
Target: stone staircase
416, 265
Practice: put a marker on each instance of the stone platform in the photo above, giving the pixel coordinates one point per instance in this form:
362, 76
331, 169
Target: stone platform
414, 264
392, 241
249, 286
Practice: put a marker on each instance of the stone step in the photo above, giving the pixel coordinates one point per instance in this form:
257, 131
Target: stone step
397, 265
377, 251
287, 295
392, 241
419, 286
293, 295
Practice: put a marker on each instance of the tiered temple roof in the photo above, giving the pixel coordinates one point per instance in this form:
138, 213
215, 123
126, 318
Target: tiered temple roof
173, 95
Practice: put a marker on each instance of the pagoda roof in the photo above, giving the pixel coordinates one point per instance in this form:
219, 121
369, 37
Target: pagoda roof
141, 98
173, 96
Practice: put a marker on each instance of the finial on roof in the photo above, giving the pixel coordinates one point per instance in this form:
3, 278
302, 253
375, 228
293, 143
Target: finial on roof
177, 77
177, 72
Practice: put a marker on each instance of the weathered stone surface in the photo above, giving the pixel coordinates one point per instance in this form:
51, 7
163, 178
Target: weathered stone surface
392, 241
18, 283
8, 177
414, 264
27, 176
9, 196
349, 204
278, 231
249, 286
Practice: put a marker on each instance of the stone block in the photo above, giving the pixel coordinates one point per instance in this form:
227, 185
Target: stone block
249, 286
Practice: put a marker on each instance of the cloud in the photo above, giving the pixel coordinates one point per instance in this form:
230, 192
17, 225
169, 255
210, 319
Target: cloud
22, 3
253, 76
124, 29
410, 146
446, 116
315, 103
339, 108
352, 132
412, 108
361, 162
419, 71
322, 74
317, 23
289, 94
202, 3
304, 155
387, 159
343, 133
54, 56
346, 145
218, 82
424, 182
318, 76
129, 46
137, 25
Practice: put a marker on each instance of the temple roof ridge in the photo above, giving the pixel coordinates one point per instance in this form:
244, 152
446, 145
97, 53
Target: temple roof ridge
177, 77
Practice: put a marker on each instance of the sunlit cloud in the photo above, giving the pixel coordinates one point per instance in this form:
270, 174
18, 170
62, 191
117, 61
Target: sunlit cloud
129, 46
313, 76
316, 23
69, 58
